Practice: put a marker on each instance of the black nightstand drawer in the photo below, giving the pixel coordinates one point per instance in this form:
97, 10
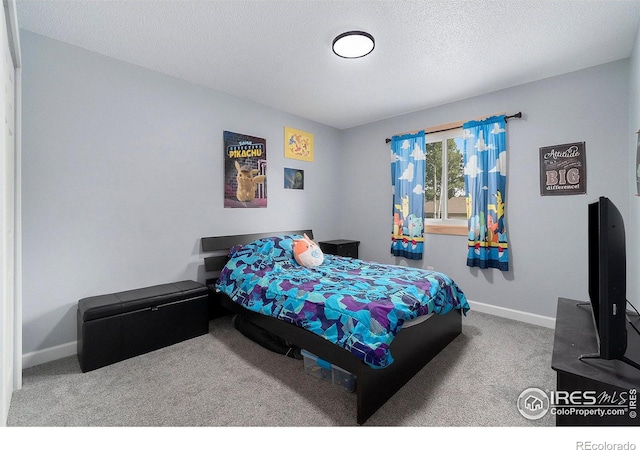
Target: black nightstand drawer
340, 247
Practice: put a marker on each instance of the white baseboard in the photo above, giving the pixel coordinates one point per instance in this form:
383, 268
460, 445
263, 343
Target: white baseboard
534, 319
49, 354
62, 351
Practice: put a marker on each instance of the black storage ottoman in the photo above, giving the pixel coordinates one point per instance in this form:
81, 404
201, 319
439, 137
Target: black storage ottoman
118, 326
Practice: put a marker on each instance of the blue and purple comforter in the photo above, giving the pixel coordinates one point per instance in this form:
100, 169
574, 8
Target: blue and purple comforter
357, 305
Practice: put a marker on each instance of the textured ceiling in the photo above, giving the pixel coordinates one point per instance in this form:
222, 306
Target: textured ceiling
278, 53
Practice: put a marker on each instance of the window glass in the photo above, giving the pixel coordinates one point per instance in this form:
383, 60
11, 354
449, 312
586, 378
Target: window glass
456, 201
445, 200
433, 181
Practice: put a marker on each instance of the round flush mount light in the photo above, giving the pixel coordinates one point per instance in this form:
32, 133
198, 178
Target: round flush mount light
353, 44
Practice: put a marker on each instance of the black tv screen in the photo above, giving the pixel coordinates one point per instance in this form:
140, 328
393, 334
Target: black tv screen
607, 277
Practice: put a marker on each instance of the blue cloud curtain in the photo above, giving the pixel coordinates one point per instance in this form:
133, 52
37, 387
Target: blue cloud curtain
407, 179
485, 176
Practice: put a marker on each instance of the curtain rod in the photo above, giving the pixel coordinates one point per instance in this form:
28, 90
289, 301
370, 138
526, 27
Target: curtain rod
517, 115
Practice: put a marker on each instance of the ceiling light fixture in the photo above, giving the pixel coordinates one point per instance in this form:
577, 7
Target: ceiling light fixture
353, 44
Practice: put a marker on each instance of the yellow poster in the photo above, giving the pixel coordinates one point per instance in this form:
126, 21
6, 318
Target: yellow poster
298, 144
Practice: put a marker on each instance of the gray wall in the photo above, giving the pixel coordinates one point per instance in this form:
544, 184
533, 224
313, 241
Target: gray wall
632, 226
547, 234
122, 175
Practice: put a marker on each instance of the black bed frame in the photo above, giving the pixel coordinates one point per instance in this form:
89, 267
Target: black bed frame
412, 348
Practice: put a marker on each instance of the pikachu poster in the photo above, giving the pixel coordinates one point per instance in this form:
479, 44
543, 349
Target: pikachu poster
245, 171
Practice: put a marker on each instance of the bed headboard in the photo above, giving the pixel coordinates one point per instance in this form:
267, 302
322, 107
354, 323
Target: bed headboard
219, 247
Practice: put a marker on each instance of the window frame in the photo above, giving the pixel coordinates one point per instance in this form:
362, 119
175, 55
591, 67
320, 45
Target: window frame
444, 225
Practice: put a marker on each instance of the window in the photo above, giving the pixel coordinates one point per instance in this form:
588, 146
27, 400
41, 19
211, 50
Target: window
445, 201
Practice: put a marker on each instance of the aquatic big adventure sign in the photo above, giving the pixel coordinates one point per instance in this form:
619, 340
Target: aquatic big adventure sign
563, 169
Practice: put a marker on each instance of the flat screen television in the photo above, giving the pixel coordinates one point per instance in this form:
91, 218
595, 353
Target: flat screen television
608, 280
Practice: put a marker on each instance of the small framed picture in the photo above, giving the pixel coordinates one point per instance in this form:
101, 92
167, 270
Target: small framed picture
298, 144
293, 178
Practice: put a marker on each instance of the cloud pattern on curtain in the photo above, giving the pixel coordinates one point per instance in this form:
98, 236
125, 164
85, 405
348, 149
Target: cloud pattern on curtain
485, 175
407, 178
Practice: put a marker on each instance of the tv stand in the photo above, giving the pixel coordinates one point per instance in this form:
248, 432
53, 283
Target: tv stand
624, 359
574, 341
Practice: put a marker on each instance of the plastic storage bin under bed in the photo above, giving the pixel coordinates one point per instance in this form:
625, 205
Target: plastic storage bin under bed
323, 370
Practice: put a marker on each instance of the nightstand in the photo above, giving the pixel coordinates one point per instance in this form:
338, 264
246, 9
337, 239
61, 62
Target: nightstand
340, 247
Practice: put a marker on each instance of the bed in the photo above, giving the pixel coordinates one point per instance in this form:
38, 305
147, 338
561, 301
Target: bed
371, 323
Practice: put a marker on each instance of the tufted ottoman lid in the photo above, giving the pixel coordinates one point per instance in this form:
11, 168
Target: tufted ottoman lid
101, 306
